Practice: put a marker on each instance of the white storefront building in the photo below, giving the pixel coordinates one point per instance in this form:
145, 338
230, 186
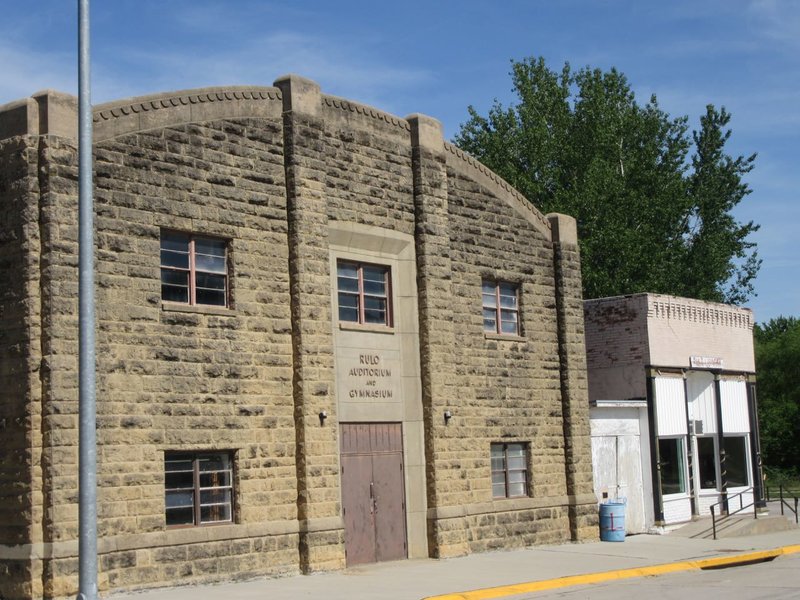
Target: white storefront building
674, 425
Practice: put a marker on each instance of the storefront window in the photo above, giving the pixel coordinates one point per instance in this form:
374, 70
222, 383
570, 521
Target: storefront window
736, 461
673, 478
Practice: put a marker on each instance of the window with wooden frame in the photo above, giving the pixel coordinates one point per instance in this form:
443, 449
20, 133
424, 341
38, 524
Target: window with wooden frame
500, 307
364, 293
509, 470
198, 488
194, 269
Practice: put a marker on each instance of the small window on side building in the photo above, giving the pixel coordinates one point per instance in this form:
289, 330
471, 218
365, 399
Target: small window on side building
500, 307
194, 269
509, 470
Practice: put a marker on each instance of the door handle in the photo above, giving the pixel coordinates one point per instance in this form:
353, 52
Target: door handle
373, 500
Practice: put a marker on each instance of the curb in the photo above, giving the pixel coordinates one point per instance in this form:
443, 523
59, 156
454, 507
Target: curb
589, 578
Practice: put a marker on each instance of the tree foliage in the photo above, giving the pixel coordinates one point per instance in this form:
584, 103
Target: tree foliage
777, 345
650, 217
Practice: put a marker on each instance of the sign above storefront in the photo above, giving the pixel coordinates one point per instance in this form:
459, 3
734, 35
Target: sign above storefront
705, 362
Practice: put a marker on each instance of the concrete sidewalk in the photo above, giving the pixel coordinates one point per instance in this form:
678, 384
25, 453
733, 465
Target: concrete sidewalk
416, 579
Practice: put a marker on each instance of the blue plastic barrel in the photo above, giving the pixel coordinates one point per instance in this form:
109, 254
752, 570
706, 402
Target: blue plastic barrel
612, 522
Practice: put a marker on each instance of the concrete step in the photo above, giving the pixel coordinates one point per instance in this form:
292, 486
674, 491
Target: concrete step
735, 526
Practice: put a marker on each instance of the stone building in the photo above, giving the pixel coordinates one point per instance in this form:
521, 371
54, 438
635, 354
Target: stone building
674, 414
325, 336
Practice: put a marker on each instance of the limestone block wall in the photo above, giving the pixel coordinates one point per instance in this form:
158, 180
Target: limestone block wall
574, 384
284, 174
176, 377
20, 418
504, 389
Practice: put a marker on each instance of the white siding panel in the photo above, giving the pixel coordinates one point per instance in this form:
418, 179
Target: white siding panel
677, 511
629, 480
735, 418
604, 466
614, 421
705, 501
736, 502
702, 405
670, 406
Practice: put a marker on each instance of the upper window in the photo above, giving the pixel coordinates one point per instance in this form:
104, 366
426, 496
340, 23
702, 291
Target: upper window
198, 488
194, 269
500, 307
364, 292
509, 470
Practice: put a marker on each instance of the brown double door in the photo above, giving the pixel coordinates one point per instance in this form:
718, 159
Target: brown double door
373, 494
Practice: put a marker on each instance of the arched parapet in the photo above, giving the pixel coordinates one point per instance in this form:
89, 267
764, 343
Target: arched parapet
462, 162
188, 106
350, 109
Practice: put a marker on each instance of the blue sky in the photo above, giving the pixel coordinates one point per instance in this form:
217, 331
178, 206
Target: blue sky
438, 57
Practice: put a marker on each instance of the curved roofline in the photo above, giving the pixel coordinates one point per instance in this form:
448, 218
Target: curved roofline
456, 157
171, 108
366, 110
141, 113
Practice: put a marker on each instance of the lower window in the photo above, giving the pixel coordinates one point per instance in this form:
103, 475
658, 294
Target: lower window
509, 470
198, 488
673, 473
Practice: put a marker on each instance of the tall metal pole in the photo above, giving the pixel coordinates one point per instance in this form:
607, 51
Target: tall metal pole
87, 501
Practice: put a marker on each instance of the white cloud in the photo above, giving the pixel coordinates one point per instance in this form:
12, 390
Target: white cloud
24, 73
341, 69
778, 20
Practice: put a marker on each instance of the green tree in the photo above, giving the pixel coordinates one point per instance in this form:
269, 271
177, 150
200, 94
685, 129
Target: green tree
718, 249
649, 217
777, 346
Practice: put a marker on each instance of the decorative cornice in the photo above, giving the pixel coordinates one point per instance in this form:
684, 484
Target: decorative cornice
112, 110
170, 109
363, 109
682, 309
521, 202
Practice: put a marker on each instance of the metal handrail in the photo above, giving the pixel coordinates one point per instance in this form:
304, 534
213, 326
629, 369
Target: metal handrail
782, 490
784, 502
725, 502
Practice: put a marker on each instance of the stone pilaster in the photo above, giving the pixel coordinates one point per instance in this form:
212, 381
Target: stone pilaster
574, 390
317, 455
446, 537
19, 360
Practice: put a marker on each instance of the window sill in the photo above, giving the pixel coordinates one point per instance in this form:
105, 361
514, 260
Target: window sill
344, 326
513, 502
675, 496
505, 337
199, 526
201, 309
